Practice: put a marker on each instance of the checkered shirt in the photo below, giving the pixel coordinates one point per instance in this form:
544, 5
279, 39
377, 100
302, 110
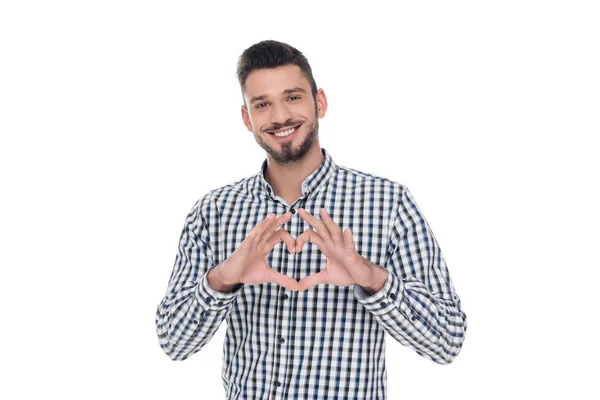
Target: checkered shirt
327, 342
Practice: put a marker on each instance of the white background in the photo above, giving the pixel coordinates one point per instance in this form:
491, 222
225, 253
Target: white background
116, 116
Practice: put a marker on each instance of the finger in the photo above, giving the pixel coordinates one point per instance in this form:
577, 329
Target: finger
312, 280
314, 222
281, 235
269, 224
279, 221
310, 236
274, 227
276, 223
249, 239
283, 280
349, 239
334, 230
257, 231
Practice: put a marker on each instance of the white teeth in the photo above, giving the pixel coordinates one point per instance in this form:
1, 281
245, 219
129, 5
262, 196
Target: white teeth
285, 133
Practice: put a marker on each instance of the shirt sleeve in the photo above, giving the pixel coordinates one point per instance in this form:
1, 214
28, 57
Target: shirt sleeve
191, 311
417, 305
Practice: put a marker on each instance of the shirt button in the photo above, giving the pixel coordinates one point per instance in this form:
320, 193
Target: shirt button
292, 211
383, 304
277, 383
393, 296
284, 296
208, 299
412, 317
220, 303
281, 340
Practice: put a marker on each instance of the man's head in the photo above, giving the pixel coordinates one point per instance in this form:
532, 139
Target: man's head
272, 54
280, 96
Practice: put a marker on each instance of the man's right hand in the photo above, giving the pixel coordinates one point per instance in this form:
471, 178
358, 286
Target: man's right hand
248, 263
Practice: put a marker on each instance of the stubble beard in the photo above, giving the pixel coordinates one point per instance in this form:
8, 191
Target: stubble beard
288, 155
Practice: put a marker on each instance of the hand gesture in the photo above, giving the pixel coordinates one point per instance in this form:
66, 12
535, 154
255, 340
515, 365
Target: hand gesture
344, 265
248, 263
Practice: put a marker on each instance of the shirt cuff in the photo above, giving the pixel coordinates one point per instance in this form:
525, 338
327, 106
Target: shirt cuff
210, 299
383, 301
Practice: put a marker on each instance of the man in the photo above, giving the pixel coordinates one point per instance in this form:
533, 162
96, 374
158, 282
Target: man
309, 262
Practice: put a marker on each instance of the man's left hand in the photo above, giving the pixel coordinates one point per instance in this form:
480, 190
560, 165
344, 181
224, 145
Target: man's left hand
344, 265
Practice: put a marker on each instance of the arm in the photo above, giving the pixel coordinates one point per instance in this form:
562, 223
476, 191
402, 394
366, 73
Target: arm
191, 311
417, 304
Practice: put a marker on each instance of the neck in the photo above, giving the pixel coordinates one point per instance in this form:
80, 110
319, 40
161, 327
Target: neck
286, 179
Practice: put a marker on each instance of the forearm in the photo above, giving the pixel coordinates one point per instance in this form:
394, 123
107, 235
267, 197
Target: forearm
432, 326
218, 284
187, 319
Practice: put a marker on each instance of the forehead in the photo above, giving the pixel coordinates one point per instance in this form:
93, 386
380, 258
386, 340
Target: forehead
273, 81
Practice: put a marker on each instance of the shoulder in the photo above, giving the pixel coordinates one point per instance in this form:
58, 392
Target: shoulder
366, 180
217, 196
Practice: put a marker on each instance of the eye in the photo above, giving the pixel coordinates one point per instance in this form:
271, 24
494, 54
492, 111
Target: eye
260, 105
294, 97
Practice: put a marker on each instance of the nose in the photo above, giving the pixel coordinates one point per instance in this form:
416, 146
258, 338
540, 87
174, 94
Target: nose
280, 114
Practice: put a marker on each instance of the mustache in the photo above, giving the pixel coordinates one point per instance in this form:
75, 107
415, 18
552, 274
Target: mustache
276, 127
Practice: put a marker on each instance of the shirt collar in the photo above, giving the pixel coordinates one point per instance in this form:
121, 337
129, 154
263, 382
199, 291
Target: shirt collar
313, 182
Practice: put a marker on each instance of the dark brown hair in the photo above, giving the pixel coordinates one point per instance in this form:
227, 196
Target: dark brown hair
271, 54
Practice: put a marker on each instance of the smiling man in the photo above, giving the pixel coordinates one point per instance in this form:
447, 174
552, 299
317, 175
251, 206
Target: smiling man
282, 108
310, 263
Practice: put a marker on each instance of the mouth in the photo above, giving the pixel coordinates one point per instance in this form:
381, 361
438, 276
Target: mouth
285, 133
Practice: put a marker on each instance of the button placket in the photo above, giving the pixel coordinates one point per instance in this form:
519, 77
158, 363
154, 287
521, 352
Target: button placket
288, 260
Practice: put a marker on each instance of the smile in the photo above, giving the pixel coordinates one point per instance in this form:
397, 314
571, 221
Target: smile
284, 133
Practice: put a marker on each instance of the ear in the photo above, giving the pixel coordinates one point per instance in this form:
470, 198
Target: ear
246, 118
321, 103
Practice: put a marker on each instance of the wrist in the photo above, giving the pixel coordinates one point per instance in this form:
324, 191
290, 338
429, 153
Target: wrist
216, 281
377, 280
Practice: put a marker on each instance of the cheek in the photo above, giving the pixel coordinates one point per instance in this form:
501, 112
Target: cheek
261, 122
309, 112
253, 123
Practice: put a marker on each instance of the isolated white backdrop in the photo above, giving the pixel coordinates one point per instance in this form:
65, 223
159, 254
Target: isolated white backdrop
116, 116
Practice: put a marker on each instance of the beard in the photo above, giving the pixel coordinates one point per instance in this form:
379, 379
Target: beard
288, 154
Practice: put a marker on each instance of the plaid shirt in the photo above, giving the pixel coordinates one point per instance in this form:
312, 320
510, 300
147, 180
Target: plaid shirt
326, 342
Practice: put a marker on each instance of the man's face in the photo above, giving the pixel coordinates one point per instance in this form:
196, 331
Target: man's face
281, 113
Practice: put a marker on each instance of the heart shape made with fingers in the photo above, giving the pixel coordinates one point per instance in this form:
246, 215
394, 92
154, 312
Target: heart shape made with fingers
344, 265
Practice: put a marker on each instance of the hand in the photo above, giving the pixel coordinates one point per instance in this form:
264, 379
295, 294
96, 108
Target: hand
344, 265
248, 263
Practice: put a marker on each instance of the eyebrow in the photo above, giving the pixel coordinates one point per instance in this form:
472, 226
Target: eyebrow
285, 92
